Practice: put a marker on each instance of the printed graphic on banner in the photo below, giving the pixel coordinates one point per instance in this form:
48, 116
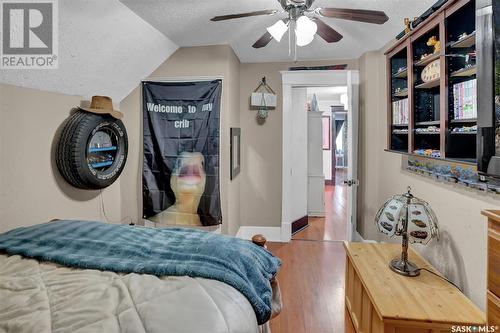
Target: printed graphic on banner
29, 32
181, 153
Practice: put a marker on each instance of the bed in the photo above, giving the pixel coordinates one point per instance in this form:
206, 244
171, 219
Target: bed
50, 281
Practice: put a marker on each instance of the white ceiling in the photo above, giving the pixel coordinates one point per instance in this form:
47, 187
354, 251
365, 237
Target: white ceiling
104, 49
187, 23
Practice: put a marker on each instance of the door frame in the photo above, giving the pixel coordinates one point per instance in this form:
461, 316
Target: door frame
296, 79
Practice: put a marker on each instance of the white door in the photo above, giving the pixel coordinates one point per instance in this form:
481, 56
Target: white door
352, 142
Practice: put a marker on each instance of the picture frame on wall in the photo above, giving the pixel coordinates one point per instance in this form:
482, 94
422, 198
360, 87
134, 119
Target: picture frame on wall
235, 152
327, 133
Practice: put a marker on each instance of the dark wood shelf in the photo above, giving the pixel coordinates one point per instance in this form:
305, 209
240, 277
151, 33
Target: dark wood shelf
403, 93
427, 60
431, 100
463, 133
401, 75
468, 161
465, 42
400, 125
428, 123
462, 121
465, 72
428, 85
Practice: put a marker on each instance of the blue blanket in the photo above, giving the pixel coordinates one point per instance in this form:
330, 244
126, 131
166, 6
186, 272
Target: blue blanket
177, 252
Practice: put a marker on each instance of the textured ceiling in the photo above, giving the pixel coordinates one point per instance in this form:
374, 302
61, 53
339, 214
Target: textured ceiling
187, 23
104, 49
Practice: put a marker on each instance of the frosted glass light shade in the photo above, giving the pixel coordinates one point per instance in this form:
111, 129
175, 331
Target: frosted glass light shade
277, 30
422, 222
305, 30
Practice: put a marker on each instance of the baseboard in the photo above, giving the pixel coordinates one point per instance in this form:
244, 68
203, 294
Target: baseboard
358, 238
272, 234
300, 224
316, 214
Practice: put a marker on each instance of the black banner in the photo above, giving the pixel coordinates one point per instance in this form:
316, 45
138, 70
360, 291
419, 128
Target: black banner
181, 152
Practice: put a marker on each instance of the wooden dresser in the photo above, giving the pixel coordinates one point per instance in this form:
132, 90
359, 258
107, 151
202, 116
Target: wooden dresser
493, 266
379, 300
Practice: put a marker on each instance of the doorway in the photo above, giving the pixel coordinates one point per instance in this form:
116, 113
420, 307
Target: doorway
327, 161
335, 126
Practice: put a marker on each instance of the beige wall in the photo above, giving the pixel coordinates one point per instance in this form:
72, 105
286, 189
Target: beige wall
461, 252
31, 189
196, 62
261, 175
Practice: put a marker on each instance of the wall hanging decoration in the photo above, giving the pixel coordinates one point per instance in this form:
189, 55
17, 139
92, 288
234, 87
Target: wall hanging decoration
235, 152
413, 219
93, 145
181, 184
263, 98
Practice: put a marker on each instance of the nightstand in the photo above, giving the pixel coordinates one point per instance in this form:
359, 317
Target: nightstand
379, 300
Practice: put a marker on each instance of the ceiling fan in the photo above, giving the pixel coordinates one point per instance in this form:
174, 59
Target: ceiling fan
307, 22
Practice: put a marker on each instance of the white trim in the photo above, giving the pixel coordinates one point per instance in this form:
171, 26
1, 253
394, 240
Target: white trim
272, 234
286, 232
312, 213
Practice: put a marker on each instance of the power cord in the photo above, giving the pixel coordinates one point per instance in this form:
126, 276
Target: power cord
103, 209
442, 277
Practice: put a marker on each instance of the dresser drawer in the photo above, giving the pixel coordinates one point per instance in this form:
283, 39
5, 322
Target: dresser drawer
493, 310
494, 259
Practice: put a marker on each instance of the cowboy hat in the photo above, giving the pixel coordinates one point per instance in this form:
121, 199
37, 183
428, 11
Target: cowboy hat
102, 105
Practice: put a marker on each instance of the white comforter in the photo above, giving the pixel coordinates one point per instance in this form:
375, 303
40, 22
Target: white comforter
43, 297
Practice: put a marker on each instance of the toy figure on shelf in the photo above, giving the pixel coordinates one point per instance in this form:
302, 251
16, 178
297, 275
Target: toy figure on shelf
407, 25
433, 41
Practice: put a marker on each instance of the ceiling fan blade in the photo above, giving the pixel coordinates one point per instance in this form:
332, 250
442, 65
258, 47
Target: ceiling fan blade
236, 16
266, 38
361, 15
326, 32
263, 41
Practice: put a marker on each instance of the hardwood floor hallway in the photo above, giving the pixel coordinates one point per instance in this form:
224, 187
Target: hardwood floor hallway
313, 273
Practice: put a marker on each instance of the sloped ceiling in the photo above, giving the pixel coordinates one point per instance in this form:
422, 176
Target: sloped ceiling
187, 23
104, 49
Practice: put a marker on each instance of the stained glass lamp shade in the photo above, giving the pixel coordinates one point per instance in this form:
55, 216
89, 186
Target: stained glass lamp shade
412, 218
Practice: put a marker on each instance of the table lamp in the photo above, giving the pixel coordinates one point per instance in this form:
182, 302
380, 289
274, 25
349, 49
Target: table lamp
412, 218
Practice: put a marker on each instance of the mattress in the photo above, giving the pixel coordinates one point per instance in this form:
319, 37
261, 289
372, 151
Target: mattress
43, 297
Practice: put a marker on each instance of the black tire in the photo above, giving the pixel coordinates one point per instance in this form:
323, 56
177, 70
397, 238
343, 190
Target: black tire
75, 158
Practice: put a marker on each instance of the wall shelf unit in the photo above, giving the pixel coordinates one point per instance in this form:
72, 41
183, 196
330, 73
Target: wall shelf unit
440, 114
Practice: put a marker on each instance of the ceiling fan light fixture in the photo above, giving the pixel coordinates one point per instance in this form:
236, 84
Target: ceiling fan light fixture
305, 30
277, 30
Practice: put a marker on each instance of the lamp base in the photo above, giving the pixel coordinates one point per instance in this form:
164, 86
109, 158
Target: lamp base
404, 267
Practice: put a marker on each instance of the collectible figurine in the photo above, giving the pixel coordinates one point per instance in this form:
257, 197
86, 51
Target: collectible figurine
433, 41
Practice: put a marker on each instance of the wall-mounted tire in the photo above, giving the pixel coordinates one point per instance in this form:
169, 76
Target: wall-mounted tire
80, 158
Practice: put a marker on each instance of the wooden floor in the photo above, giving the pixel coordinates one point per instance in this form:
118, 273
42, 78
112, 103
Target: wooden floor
334, 225
312, 276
